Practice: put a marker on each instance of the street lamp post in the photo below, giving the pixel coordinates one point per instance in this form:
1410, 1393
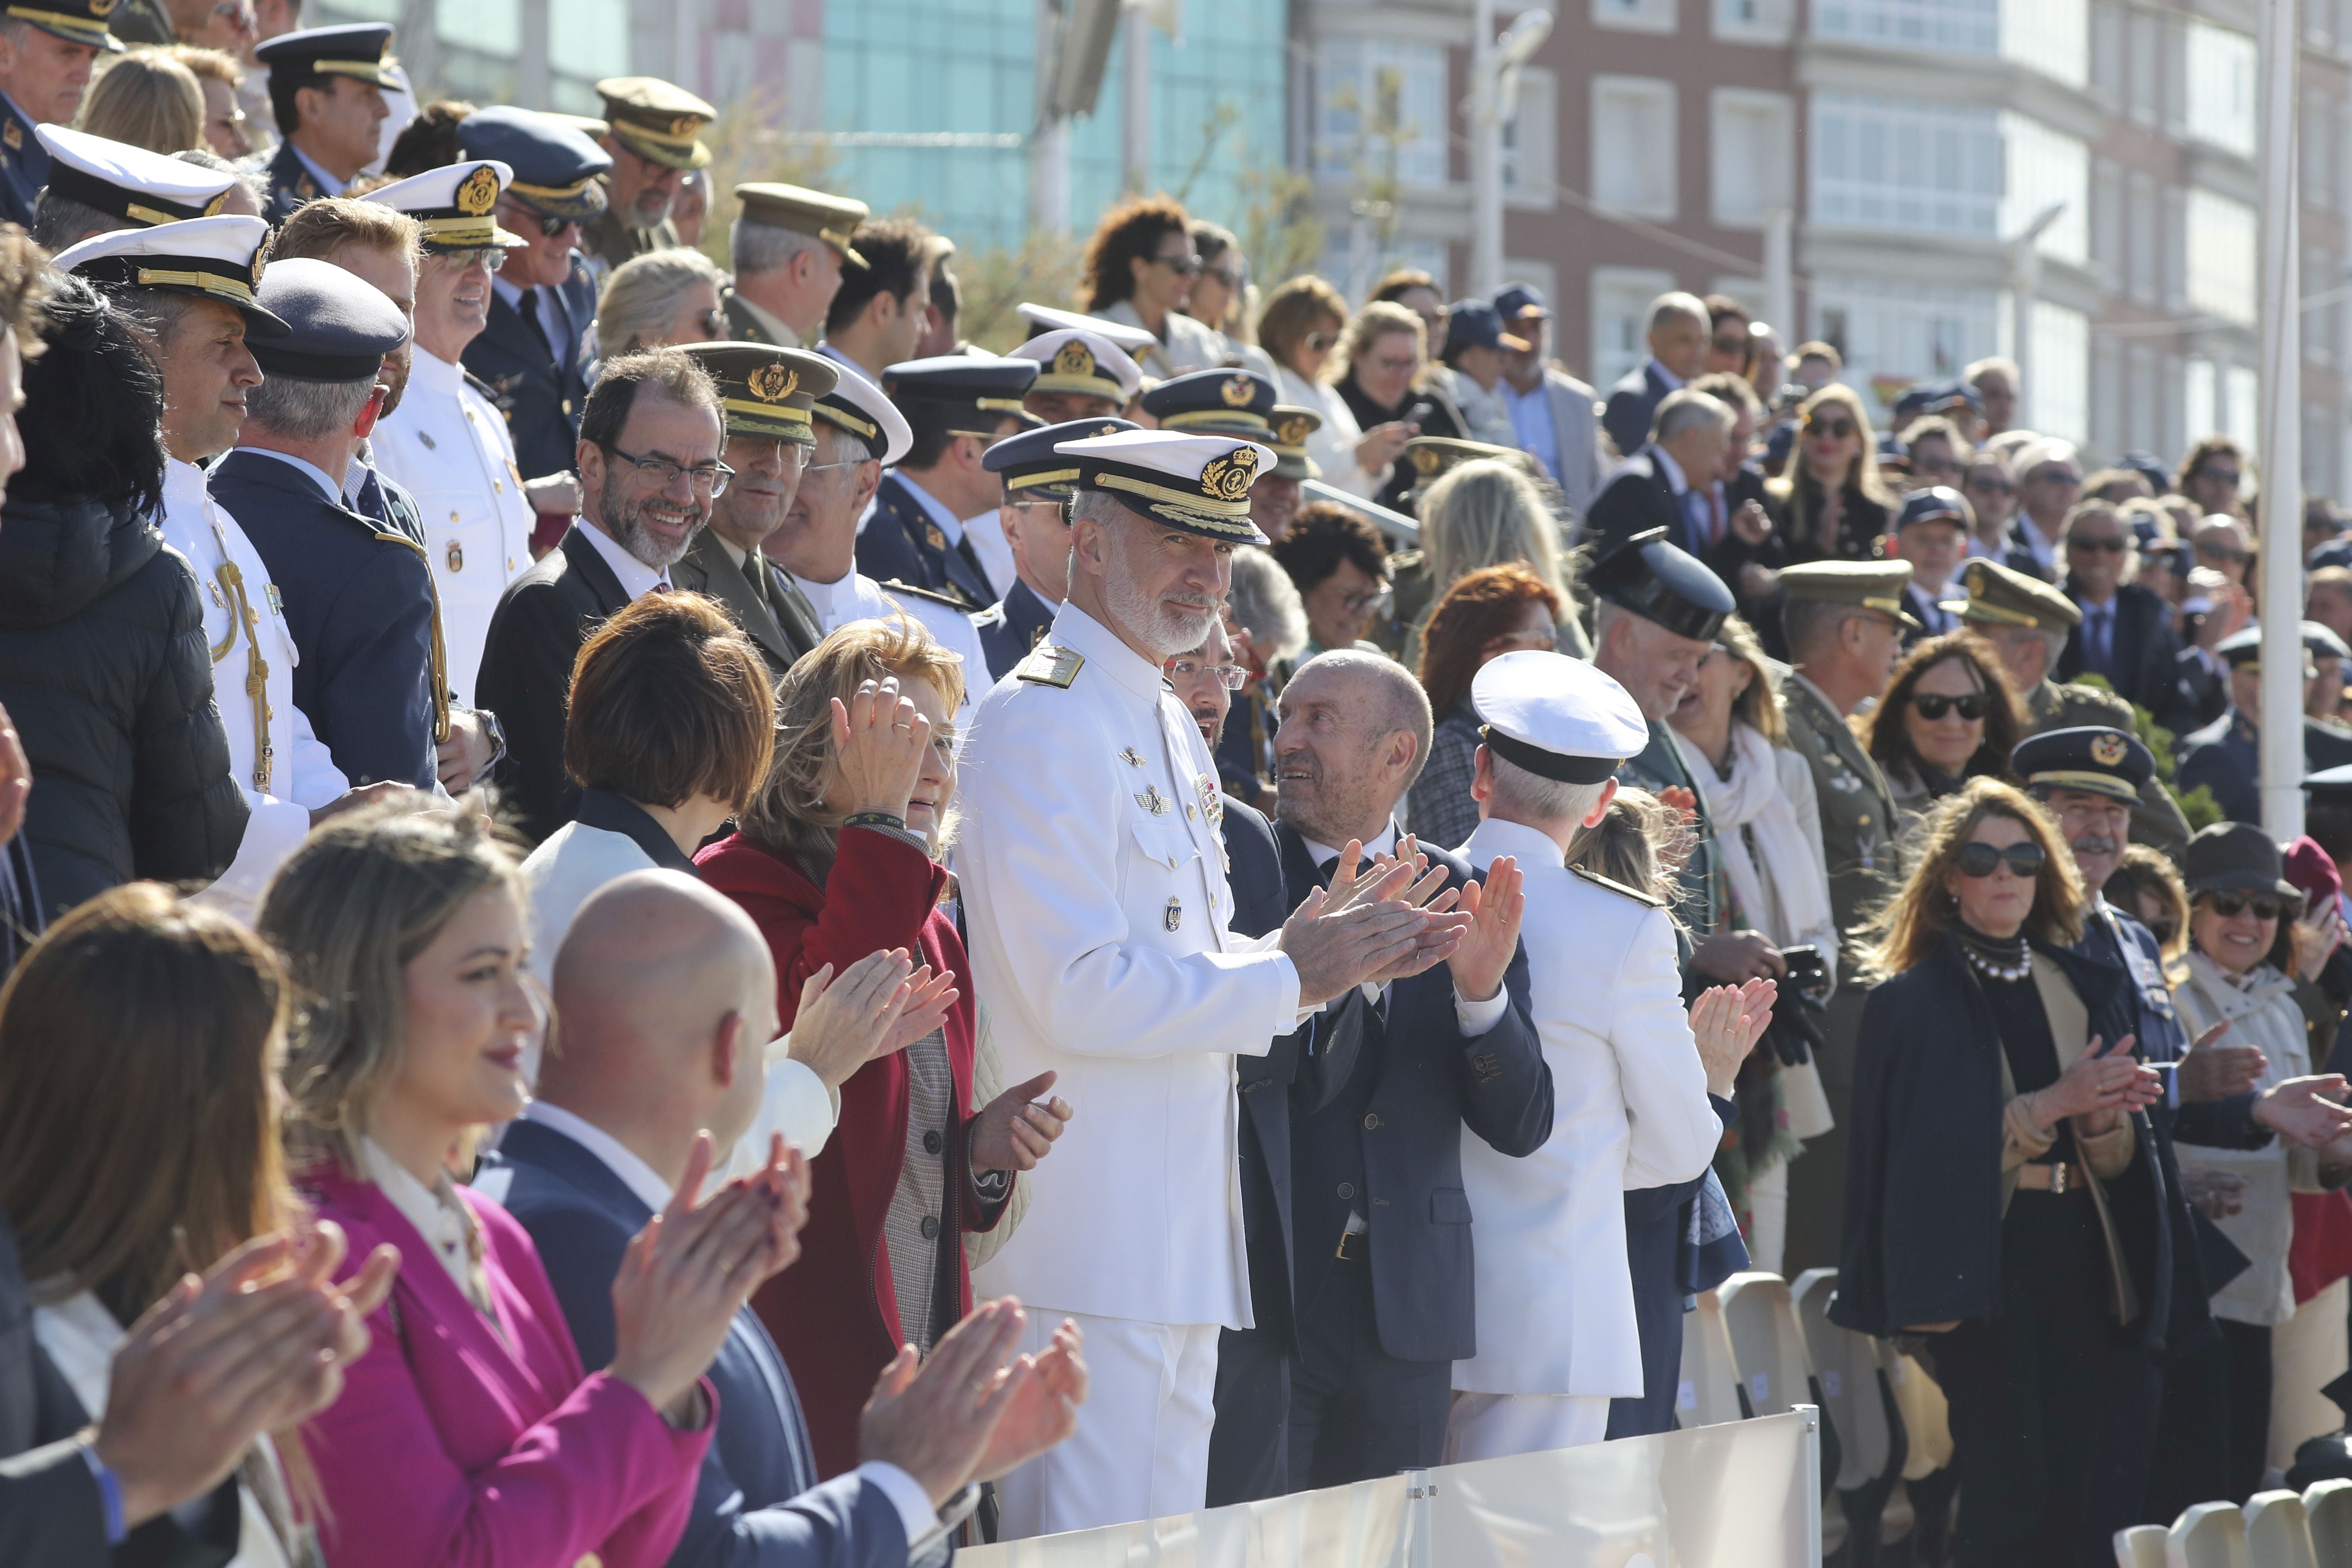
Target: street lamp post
2281, 498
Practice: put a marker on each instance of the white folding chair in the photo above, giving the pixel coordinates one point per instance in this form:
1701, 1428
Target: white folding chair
1710, 1391
2140, 1546
1766, 1342
2327, 1510
2208, 1535
2277, 1534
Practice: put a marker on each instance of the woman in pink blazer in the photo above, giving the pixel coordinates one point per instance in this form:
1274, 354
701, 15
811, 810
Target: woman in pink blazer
469, 1433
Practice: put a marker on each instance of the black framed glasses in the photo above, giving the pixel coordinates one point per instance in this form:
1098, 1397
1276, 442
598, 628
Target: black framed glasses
1971, 706
2230, 906
1980, 860
1183, 667
2229, 477
704, 479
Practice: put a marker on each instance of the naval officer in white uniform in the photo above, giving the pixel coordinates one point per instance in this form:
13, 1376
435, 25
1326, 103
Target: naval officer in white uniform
1092, 863
447, 442
860, 432
1557, 1336
195, 328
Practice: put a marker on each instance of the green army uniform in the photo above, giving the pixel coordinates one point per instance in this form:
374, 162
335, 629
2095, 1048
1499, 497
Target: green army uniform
746, 323
1858, 845
768, 204
660, 124
611, 242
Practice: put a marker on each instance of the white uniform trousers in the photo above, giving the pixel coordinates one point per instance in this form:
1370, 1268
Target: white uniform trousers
1496, 1426
1141, 1450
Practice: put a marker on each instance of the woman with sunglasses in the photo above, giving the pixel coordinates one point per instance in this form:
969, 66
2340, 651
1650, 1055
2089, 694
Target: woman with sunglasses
1834, 506
1993, 496
1222, 296
662, 298
1299, 329
2241, 969
1948, 715
1139, 270
1384, 376
2005, 1203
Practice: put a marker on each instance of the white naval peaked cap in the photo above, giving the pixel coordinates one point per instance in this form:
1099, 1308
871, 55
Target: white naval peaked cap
129, 182
1559, 718
456, 203
865, 410
215, 257
1081, 359
1198, 483
1045, 319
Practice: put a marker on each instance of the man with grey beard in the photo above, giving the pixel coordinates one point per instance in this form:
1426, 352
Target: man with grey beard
1101, 923
649, 469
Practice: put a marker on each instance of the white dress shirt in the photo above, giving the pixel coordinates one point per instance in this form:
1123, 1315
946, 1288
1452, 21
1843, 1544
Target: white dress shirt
906, 1493
637, 578
858, 598
243, 618
451, 448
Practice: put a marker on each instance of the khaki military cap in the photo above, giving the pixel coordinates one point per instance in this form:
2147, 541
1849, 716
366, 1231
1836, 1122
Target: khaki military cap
594, 128
767, 391
1435, 456
832, 219
1865, 584
657, 121
2001, 597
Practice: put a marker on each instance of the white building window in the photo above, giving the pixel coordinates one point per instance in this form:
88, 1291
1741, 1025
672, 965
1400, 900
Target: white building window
2059, 394
2202, 397
1381, 107
2221, 277
1754, 21
1925, 168
1530, 170
1894, 331
1754, 150
1634, 16
2053, 36
2242, 412
1633, 145
2047, 168
1966, 26
2221, 88
1620, 319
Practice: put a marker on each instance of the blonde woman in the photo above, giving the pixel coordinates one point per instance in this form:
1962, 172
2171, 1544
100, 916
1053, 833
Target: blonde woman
469, 1432
218, 78
1760, 798
148, 99
662, 298
1834, 505
1487, 513
1381, 358
2003, 1197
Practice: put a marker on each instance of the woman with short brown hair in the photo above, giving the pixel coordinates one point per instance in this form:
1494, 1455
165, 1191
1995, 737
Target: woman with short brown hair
1948, 715
1489, 613
1301, 329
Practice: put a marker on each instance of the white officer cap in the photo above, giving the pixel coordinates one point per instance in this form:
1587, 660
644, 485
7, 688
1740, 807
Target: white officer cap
1082, 360
858, 405
214, 257
1045, 319
457, 205
1198, 483
129, 182
1559, 718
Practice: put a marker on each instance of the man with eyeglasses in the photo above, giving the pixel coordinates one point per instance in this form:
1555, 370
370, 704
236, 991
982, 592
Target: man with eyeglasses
654, 132
2126, 638
2049, 483
2210, 475
934, 524
444, 442
650, 440
531, 351
1035, 516
767, 392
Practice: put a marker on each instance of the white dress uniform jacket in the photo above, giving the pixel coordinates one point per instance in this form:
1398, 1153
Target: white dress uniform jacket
450, 448
1093, 866
275, 758
859, 598
1630, 1110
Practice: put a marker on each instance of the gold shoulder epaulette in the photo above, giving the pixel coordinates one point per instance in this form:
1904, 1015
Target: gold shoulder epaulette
1598, 880
1049, 665
952, 601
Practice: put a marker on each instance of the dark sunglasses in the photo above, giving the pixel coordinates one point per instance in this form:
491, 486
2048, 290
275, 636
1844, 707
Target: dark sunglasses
1737, 345
1931, 707
2218, 476
2230, 906
2106, 546
1835, 429
1982, 860
1319, 341
2221, 553
1183, 266
549, 227
1990, 485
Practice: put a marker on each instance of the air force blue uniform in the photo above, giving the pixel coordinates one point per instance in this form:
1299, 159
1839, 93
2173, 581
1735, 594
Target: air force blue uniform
24, 164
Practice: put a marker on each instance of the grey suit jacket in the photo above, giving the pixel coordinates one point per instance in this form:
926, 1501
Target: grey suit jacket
1575, 415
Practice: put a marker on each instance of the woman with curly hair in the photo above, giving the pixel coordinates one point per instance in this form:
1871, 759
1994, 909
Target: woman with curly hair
1948, 715
1487, 615
1834, 505
1140, 270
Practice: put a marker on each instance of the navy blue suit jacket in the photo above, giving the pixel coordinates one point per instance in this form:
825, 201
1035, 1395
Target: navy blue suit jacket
2145, 653
896, 543
536, 632
1394, 1133
539, 385
757, 1500
1632, 402
24, 166
359, 600
1011, 627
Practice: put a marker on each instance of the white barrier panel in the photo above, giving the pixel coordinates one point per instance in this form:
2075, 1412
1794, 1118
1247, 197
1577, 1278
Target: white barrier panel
1744, 1494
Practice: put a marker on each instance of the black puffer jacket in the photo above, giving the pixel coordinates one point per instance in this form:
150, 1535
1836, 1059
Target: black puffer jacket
104, 667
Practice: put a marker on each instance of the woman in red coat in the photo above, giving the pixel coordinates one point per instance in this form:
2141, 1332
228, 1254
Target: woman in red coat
833, 858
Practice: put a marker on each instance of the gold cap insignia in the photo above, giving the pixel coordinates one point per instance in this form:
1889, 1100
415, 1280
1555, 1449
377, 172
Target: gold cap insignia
1239, 391
1229, 478
260, 259
773, 383
1107, 430
1293, 432
1426, 460
213, 207
1074, 359
100, 7
2107, 749
685, 124
478, 193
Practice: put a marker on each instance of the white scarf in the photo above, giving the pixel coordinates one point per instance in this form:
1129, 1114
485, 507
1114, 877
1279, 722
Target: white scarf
1752, 798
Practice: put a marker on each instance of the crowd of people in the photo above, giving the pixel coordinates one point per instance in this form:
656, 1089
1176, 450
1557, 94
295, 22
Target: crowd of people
725, 928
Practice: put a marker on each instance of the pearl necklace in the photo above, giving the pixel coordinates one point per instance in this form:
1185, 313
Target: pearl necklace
2010, 961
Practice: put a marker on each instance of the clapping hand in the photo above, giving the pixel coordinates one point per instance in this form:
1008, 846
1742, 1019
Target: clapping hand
2214, 1071
934, 1417
1726, 1023
1426, 890
1493, 909
1043, 1410
1338, 943
2304, 1111
2101, 1086
1014, 1130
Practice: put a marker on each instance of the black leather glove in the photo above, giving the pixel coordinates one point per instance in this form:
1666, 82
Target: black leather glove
1795, 1032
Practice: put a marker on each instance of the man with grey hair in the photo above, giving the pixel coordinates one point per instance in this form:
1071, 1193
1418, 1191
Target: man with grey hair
1382, 1258
358, 594
1678, 325
1266, 620
1671, 482
2127, 636
1995, 380
786, 247
47, 54
1101, 919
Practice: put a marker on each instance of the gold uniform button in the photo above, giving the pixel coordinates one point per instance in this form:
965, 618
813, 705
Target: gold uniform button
567, 406
453, 514
498, 486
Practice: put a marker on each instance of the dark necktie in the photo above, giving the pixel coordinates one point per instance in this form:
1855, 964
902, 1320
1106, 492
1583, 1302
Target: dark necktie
531, 314
2098, 639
